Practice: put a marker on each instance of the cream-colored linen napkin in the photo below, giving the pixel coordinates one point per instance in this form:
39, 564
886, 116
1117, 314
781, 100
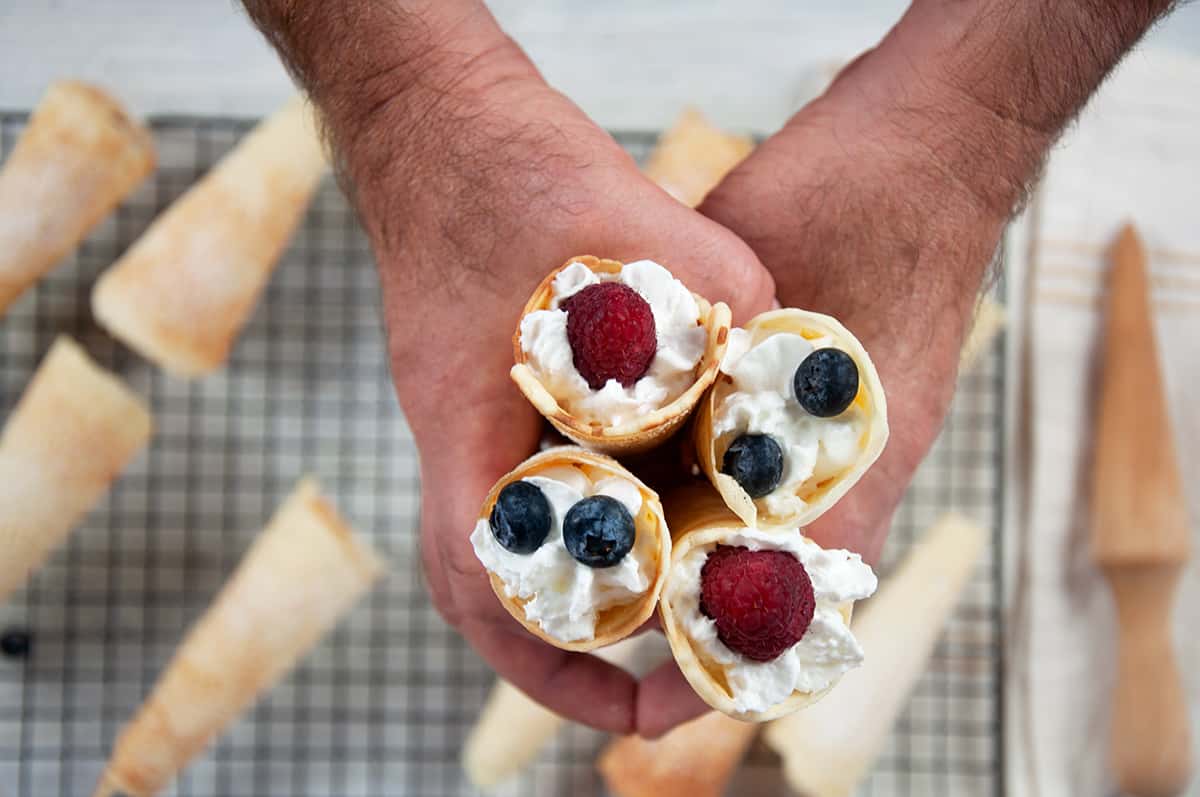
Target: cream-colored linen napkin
1134, 155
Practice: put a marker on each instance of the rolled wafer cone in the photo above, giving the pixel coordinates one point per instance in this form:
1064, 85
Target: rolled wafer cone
513, 728
696, 759
78, 158
616, 622
72, 433
818, 496
829, 748
988, 322
693, 156
185, 289
305, 570
698, 517
645, 431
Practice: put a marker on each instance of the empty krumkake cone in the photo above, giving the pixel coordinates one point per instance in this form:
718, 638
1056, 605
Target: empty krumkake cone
185, 289
693, 156
305, 570
78, 158
1140, 536
697, 759
513, 727
74, 430
829, 747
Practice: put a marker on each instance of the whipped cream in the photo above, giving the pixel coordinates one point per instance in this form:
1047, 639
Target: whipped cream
681, 343
827, 648
561, 595
760, 401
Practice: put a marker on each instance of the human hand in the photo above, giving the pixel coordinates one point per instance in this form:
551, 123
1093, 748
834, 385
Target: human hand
468, 206
884, 201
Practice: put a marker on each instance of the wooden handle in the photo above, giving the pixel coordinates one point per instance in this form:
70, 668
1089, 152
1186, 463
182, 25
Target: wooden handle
1150, 748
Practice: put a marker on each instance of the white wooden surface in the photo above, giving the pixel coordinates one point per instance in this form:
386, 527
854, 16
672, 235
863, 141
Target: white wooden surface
630, 63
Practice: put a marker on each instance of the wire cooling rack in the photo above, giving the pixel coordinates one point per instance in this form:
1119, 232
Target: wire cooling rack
383, 705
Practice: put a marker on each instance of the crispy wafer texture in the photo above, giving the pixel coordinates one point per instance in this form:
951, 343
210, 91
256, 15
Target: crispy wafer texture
693, 156
818, 498
615, 622
696, 759
647, 430
305, 570
80, 155
699, 518
185, 289
74, 430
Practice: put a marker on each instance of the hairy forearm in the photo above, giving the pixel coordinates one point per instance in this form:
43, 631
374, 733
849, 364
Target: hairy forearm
397, 83
989, 85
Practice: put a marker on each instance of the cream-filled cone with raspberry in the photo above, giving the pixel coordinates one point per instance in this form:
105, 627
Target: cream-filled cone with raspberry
795, 418
757, 621
616, 356
576, 547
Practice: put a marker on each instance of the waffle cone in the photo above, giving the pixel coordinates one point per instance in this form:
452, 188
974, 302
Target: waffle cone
616, 622
819, 497
78, 158
185, 289
646, 431
698, 517
70, 436
305, 570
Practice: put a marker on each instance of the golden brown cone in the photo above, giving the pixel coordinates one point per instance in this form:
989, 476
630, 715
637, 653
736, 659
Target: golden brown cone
80, 155
696, 759
74, 430
698, 517
710, 450
616, 622
305, 570
646, 431
182, 293
692, 157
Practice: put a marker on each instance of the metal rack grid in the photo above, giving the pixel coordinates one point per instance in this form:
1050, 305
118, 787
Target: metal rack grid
383, 705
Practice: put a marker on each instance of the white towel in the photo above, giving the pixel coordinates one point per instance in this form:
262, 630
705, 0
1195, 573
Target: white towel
1134, 155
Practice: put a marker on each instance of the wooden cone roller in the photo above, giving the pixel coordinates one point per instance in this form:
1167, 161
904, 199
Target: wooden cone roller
1140, 536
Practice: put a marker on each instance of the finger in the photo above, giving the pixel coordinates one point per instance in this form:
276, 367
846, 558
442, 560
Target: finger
577, 686
665, 699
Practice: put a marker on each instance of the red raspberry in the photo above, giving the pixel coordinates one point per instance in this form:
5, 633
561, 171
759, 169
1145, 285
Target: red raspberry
611, 331
762, 601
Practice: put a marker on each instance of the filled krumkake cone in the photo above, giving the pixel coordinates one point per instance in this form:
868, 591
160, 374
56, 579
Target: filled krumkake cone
576, 547
758, 621
796, 416
80, 155
616, 356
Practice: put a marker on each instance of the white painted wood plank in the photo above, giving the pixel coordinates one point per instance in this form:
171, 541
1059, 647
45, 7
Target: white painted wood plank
630, 63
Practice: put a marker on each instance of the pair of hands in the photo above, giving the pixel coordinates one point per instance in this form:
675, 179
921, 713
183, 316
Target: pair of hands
881, 203
829, 214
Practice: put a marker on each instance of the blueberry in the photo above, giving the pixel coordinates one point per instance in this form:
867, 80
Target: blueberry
826, 382
521, 518
599, 531
755, 461
16, 643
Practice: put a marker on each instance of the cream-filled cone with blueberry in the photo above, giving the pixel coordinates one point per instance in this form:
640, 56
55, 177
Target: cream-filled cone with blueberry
617, 355
759, 622
576, 547
794, 419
